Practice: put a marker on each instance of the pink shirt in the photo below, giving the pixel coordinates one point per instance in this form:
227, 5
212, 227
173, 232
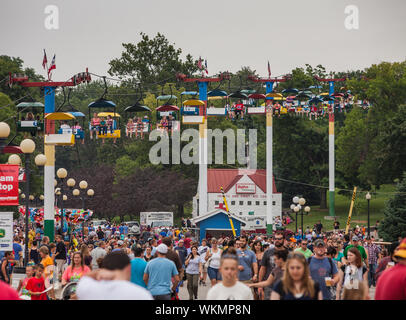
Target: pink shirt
74, 275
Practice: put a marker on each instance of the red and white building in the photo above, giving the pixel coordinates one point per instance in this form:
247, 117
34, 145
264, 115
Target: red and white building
245, 192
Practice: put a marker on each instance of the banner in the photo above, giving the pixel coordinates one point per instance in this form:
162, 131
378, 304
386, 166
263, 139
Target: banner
6, 231
9, 185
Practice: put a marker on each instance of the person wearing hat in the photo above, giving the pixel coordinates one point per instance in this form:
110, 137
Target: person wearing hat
392, 283
322, 269
158, 275
356, 243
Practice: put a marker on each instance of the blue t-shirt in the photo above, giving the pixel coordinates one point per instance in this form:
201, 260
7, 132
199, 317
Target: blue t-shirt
137, 271
160, 272
246, 258
319, 270
125, 229
17, 249
121, 229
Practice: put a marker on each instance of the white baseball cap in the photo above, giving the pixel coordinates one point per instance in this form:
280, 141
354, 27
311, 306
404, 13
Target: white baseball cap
162, 248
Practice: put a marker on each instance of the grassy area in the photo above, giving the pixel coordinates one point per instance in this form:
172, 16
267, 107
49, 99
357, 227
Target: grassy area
342, 207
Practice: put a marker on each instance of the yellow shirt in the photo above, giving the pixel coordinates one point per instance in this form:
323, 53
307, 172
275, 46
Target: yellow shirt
47, 262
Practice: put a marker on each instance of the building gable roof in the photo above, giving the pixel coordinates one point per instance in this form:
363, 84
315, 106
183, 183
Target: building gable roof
227, 178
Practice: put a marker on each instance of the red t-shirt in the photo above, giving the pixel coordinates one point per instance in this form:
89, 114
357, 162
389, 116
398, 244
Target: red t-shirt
187, 242
239, 106
7, 292
37, 285
392, 284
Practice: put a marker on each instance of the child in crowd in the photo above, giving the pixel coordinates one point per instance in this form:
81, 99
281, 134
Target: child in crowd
22, 286
36, 285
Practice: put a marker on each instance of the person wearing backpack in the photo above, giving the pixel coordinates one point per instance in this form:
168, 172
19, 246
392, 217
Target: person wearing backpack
322, 269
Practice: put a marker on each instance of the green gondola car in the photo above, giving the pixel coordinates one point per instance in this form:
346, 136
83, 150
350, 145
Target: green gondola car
30, 117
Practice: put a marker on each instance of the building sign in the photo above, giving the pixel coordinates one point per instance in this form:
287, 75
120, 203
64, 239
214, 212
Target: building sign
254, 222
9, 185
245, 188
6, 231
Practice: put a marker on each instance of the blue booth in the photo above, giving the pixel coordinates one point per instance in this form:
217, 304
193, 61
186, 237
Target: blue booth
216, 222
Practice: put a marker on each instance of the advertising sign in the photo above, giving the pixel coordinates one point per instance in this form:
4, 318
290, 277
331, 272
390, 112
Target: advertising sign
6, 231
9, 185
254, 222
245, 188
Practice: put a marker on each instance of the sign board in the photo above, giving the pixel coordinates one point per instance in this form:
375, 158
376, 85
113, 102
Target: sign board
9, 185
254, 222
190, 110
245, 188
6, 231
156, 218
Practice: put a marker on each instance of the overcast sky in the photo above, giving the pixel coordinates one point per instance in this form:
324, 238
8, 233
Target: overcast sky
228, 33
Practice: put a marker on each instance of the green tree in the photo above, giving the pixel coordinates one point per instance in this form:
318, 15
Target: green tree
394, 222
15, 66
352, 148
151, 61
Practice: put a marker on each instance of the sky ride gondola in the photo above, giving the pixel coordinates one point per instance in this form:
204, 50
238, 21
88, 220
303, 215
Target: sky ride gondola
76, 129
191, 113
290, 91
257, 109
137, 107
105, 128
168, 114
217, 94
33, 121
190, 108
64, 137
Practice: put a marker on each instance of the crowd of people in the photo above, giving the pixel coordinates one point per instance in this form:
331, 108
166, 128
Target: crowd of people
112, 263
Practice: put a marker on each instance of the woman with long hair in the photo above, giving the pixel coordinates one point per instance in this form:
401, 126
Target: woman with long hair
212, 257
296, 283
76, 270
229, 288
193, 270
87, 258
258, 249
354, 274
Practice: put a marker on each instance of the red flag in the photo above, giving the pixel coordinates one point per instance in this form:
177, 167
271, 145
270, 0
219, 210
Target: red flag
44, 60
205, 66
269, 70
199, 63
52, 66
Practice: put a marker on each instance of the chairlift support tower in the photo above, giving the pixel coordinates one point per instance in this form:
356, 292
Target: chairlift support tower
269, 82
331, 150
202, 85
49, 150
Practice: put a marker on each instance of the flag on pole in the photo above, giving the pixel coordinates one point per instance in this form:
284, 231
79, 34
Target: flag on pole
44, 60
199, 63
51, 67
205, 65
269, 70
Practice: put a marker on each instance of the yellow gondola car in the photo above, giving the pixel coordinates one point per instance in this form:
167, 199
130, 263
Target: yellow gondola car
64, 137
116, 131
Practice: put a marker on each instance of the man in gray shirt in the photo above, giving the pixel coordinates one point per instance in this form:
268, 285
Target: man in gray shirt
97, 253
